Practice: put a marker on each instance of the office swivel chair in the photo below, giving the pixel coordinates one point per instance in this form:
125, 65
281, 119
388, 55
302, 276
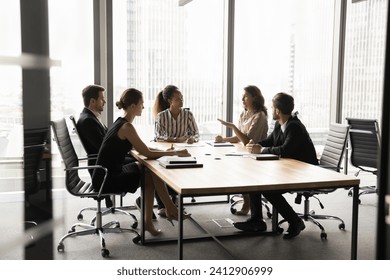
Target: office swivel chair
34, 147
237, 199
114, 209
364, 140
77, 187
331, 158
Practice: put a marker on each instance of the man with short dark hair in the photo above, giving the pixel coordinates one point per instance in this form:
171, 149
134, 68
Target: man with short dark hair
289, 139
90, 127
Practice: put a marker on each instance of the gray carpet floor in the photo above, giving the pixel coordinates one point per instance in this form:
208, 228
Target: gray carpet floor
307, 246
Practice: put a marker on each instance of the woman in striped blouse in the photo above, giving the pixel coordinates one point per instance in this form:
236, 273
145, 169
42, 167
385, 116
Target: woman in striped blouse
173, 123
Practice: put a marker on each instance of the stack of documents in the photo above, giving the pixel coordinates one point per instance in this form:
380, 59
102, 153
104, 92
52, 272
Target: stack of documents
220, 144
179, 162
264, 156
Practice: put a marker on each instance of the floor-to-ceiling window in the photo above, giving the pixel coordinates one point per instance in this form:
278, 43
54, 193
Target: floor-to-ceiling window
157, 43
365, 43
286, 46
71, 43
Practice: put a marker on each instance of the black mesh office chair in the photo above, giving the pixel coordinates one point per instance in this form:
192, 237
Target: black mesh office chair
331, 158
364, 140
79, 188
114, 209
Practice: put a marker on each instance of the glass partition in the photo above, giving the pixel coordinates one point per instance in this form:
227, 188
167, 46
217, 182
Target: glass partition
11, 132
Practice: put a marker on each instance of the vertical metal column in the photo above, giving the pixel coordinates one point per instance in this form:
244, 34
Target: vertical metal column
230, 64
383, 223
36, 116
103, 53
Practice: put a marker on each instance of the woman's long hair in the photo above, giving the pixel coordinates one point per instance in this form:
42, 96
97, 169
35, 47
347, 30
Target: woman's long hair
161, 103
257, 97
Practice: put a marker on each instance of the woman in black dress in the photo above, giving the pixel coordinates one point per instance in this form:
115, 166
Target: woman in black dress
119, 140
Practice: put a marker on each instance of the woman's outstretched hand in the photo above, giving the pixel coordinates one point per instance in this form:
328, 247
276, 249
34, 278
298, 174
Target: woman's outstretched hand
228, 124
182, 153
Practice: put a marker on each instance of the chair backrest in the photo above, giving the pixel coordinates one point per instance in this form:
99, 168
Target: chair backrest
364, 138
73, 120
332, 155
34, 147
73, 183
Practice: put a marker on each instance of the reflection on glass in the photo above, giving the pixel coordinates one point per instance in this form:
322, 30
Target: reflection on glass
11, 133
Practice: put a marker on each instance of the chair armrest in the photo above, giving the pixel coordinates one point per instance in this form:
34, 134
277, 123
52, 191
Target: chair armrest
35, 146
361, 131
88, 157
91, 167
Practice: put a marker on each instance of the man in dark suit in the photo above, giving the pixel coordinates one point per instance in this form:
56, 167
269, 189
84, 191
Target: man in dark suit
289, 139
89, 126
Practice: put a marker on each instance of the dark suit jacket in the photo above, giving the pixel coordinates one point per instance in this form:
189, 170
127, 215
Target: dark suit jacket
294, 143
91, 131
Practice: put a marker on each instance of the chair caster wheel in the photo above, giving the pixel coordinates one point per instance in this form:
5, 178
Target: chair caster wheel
117, 225
136, 239
342, 226
193, 200
60, 248
233, 210
105, 253
323, 235
134, 225
80, 217
279, 230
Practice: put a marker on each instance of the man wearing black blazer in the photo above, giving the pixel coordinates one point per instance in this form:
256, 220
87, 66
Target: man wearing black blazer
91, 129
289, 139
89, 126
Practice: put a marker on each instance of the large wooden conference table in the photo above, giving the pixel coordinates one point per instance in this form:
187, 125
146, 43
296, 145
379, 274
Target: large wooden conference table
228, 170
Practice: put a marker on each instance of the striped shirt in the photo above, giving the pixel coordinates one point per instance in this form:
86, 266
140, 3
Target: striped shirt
184, 125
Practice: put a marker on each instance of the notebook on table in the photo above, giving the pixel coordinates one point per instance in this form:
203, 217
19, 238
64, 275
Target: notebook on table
179, 162
264, 157
181, 165
220, 144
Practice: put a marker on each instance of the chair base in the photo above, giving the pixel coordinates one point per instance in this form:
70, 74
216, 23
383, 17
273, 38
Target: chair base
91, 229
112, 210
363, 190
234, 202
312, 217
